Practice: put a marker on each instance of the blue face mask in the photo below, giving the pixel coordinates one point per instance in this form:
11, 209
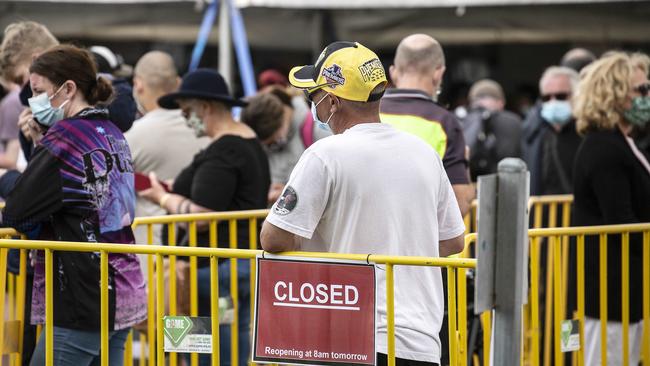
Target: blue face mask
43, 111
557, 112
323, 125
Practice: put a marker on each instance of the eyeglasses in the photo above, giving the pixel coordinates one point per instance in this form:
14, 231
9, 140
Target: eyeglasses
556, 96
308, 95
311, 91
643, 89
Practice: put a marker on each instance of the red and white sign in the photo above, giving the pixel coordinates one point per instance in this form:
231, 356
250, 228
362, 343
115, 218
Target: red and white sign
314, 312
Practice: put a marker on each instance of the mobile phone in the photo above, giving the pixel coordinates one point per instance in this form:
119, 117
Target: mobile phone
143, 182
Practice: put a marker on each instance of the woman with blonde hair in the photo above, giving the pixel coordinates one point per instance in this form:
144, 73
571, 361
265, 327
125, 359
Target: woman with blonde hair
612, 186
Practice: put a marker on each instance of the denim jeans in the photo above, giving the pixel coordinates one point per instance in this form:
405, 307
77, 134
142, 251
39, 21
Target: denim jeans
244, 294
81, 348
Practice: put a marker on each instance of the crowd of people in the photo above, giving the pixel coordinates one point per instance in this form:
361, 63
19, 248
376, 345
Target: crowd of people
334, 149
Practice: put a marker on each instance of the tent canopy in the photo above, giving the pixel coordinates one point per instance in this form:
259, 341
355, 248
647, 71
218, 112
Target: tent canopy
287, 25
345, 4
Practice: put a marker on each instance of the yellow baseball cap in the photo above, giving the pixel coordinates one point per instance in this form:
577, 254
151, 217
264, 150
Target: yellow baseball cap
346, 69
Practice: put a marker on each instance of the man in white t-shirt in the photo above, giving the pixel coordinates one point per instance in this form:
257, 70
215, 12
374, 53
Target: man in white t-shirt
370, 189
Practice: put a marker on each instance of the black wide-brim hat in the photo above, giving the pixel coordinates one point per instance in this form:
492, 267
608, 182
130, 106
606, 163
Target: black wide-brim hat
202, 84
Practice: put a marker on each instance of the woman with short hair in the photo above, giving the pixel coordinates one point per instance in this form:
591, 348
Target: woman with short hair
612, 186
78, 187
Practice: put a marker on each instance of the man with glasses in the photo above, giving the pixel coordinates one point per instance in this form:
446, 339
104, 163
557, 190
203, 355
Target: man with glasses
549, 139
370, 188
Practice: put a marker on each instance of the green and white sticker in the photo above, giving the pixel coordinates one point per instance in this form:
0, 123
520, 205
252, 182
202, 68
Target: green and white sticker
570, 335
194, 334
176, 328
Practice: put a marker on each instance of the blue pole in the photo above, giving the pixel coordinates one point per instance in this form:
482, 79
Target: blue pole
240, 41
204, 33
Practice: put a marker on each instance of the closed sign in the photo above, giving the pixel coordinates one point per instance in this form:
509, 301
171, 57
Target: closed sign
314, 312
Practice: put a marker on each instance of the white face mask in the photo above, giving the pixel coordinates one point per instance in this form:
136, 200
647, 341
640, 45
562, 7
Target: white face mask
324, 125
196, 124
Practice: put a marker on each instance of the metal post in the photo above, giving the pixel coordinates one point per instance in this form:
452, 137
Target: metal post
502, 268
317, 34
511, 270
225, 47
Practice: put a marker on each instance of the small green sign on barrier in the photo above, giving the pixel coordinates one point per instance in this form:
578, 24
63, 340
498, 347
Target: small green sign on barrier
570, 335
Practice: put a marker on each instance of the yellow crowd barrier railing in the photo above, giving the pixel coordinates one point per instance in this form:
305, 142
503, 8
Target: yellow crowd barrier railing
151, 343
49, 247
12, 296
546, 212
191, 223
558, 239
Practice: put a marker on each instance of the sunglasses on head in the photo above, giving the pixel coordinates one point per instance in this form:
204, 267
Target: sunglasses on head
643, 89
556, 96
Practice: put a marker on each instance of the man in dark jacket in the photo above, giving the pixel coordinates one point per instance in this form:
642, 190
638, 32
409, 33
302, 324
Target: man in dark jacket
491, 132
550, 140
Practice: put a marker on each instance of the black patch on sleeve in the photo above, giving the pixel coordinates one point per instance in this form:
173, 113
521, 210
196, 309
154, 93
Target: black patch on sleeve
287, 202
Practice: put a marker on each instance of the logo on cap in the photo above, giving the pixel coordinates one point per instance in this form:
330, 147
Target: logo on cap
333, 75
372, 70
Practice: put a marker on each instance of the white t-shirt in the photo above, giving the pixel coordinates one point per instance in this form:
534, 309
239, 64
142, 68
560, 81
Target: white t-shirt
374, 189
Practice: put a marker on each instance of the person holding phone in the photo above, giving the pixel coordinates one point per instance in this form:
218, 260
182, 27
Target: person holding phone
78, 187
231, 174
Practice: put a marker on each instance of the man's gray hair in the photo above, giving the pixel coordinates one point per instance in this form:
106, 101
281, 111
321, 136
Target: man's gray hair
555, 71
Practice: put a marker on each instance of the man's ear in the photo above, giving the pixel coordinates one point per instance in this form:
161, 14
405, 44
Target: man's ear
393, 73
138, 85
335, 103
437, 75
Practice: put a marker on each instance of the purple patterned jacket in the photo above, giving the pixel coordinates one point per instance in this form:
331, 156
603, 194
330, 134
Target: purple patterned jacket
79, 186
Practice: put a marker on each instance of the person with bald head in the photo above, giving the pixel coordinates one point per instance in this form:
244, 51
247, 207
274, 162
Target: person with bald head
160, 141
411, 106
577, 58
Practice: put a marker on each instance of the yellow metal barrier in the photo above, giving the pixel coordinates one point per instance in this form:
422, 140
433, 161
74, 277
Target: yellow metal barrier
12, 294
545, 213
214, 253
557, 237
191, 224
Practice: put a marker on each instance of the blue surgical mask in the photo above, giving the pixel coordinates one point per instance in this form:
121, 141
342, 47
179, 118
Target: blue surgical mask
323, 125
42, 109
557, 112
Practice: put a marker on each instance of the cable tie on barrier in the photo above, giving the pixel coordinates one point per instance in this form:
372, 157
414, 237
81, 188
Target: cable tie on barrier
368, 258
263, 252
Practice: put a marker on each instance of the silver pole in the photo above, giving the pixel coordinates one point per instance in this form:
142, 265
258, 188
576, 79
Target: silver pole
511, 264
225, 46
